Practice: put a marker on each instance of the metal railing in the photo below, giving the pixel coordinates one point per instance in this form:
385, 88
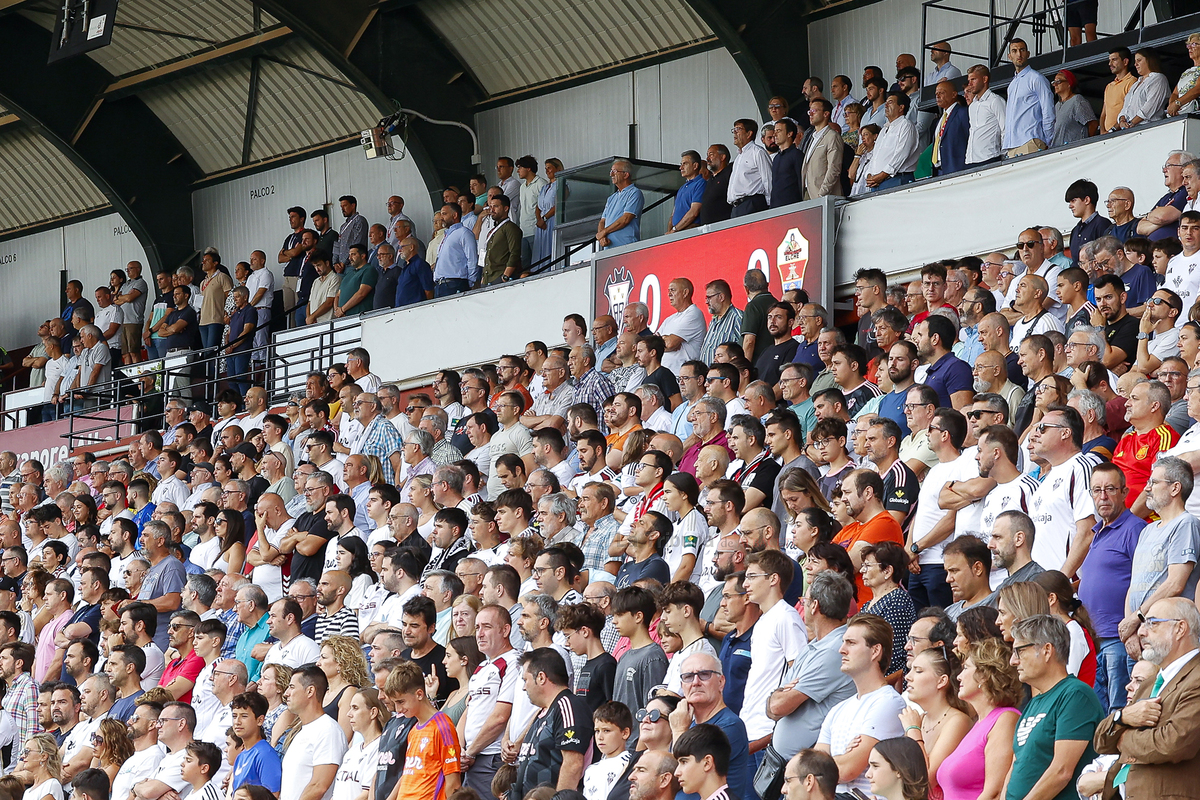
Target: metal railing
201, 375
1045, 19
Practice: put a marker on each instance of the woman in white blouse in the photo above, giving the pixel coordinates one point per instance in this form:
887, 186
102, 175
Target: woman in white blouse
1147, 98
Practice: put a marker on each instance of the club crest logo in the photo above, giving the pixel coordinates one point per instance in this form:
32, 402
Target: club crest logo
618, 289
791, 259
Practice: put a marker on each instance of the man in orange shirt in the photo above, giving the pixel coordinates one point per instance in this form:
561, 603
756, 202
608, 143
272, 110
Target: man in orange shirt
1146, 411
626, 418
862, 490
1119, 60
431, 767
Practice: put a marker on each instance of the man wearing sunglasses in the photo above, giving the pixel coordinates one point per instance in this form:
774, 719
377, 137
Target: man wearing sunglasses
1157, 336
1062, 509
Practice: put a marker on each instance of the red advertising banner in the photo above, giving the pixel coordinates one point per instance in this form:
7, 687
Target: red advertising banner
791, 248
45, 442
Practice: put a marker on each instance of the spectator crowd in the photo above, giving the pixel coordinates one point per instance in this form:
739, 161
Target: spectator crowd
947, 553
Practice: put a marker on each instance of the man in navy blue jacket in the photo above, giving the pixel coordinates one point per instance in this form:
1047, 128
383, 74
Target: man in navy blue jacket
951, 131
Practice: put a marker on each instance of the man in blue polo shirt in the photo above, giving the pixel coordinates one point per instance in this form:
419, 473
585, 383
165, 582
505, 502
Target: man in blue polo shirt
947, 374
620, 224
687, 199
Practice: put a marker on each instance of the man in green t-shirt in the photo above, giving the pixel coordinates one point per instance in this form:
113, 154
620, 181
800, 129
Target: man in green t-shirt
358, 284
1053, 740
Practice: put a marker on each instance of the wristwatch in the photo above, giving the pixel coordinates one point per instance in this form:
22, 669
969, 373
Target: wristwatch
1141, 335
916, 550
1117, 717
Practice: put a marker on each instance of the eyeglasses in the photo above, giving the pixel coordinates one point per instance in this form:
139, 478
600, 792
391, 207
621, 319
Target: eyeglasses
911, 406
1151, 621
163, 720
1029, 245
649, 715
1017, 648
704, 675
754, 575
174, 626
1042, 426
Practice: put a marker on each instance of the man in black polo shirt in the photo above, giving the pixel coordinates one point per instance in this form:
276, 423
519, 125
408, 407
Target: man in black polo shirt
310, 534
783, 346
714, 205
649, 355
553, 749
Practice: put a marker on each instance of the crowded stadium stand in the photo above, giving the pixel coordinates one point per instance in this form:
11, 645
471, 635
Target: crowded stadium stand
670, 399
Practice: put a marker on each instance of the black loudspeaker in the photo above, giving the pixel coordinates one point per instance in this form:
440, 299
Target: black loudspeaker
82, 26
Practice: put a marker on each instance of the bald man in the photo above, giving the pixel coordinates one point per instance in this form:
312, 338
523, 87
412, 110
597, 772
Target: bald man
670, 444
256, 409
335, 619
990, 372
604, 336
272, 522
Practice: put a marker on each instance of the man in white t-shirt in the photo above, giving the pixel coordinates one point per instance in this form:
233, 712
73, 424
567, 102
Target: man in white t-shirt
293, 648
872, 714
147, 752
176, 728
312, 759
1183, 270
491, 690
1062, 507
261, 286
779, 638
932, 526
682, 332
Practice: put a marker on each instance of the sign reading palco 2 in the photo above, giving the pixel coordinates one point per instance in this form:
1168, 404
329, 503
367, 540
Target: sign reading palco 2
261, 192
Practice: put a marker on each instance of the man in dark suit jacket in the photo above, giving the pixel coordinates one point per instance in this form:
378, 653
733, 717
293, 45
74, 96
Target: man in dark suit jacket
787, 169
1158, 736
951, 131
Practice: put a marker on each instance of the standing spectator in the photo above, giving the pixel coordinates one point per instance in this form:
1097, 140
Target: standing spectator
1074, 119
530, 190
502, 261
1148, 436
432, 767
883, 567
353, 231
822, 159
1029, 119
1104, 578
546, 209
872, 713
689, 198
951, 132
644, 664
1082, 197
814, 683
215, 287
388, 275
492, 691
1146, 100
554, 746
311, 761
1119, 61
1063, 497
988, 113
896, 151
1054, 740
242, 323
714, 205
357, 289
457, 268
20, 701
1152, 752
943, 70
261, 284
131, 299
324, 291
508, 184
750, 179
839, 92
620, 223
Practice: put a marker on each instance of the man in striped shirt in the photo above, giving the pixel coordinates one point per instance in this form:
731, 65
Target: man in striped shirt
726, 325
337, 619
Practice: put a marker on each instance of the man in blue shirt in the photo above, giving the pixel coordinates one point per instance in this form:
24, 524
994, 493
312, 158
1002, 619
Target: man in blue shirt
620, 224
1029, 121
416, 279
948, 375
258, 764
687, 199
458, 257
1081, 197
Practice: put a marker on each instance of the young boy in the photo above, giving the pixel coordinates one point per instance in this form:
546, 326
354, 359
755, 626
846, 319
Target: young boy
582, 623
682, 602
201, 761
257, 762
613, 724
703, 755
645, 664
431, 766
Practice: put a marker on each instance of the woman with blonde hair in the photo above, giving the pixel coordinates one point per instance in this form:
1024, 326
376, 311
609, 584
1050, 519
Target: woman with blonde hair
343, 663
42, 764
1019, 601
933, 686
988, 682
111, 747
462, 614
421, 496
272, 683
374, 470
521, 553
1184, 99
854, 112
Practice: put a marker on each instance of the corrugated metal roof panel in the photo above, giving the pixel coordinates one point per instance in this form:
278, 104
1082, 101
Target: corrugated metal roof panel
176, 29
334, 111
206, 112
40, 183
510, 45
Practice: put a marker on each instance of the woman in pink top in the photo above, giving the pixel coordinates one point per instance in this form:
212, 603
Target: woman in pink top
977, 767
